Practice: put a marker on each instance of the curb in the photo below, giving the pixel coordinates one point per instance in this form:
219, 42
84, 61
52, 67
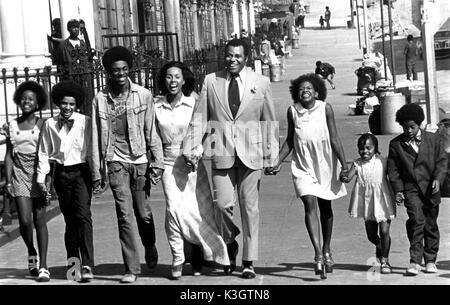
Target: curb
11, 232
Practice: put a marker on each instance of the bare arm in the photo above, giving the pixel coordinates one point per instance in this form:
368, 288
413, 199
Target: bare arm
336, 143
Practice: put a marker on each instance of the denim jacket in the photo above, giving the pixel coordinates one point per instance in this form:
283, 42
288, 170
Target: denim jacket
143, 135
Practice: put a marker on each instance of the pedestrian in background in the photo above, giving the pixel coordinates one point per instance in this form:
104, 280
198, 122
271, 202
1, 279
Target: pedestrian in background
189, 203
22, 136
242, 116
124, 137
66, 142
327, 16
372, 197
321, 22
326, 71
417, 166
313, 137
411, 52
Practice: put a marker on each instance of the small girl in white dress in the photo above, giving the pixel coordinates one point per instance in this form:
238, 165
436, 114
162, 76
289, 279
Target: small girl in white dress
372, 197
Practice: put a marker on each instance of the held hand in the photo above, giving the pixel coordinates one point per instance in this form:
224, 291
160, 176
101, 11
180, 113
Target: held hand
272, 170
155, 175
435, 187
97, 186
8, 189
399, 198
343, 176
43, 189
190, 164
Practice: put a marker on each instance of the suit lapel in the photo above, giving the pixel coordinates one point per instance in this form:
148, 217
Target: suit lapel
246, 98
422, 148
220, 91
408, 149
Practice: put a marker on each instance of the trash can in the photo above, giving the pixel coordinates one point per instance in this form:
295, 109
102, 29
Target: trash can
275, 72
296, 43
307, 10
282, 60
390, 103
265, 70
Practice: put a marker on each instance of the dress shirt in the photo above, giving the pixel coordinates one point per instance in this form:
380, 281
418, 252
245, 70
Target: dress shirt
66, 147
414, 143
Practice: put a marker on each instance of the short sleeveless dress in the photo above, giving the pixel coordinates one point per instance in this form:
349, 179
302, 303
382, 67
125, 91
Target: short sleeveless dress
372, 196
24, 152
315, 167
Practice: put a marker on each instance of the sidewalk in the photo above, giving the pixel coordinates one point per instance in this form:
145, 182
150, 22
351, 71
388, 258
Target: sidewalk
286, 254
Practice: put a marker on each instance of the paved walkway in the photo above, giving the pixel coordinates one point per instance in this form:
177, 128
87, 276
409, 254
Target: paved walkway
286, 253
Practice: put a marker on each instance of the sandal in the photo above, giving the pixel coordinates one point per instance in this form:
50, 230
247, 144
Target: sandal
33, 265
44, 275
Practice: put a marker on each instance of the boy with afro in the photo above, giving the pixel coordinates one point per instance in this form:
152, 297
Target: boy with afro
417, 166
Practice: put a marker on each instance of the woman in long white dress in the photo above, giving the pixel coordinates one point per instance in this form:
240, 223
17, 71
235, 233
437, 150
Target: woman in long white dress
189, 203
316, 172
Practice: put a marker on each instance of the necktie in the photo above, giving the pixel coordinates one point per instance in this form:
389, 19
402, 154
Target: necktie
63, 121
234, 99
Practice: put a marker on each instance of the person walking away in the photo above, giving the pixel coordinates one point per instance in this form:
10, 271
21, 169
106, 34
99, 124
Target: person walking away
66, 141
189, 205
313, 137
127, 146
417, 165
327, 16
411, 51
372, 197
238, 105
22, 137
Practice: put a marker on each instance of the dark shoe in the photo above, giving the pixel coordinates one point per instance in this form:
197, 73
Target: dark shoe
233, 249
33, 265
248, 272
128, 278
328, 261
385, 266
151, 257
319, 267
197, 260
86, 274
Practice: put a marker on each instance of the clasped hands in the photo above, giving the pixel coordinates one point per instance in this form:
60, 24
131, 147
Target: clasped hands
272, 170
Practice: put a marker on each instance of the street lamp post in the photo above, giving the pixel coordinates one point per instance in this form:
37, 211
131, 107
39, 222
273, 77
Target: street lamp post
391, 39
383, 40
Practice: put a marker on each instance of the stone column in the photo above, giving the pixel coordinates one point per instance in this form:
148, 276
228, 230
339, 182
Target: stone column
251, 10
235, 12
177, 14
196, 29
169, 18
244, 15
36, 27
11, 26
213, 24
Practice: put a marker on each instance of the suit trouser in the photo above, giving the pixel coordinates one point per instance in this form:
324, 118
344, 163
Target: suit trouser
245, 182
422, 228
73, 186
127, 182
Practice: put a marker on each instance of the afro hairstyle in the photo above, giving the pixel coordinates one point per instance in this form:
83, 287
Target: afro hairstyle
188, 76
73, 23
316, 81
68, 88
115, 54
41, 95
410, 112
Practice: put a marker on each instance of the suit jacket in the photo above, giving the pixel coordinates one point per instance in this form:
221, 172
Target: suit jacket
252, 135
408, 170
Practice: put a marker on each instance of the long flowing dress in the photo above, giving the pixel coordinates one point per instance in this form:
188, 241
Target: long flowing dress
189, 202
315, 167
24, 153
372, 195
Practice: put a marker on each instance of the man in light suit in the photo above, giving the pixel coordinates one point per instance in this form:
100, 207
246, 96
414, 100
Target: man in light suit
236, 107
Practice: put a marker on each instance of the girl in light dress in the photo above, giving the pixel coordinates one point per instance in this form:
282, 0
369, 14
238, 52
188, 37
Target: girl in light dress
371, 197
318, 162
190, 222
20, 163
